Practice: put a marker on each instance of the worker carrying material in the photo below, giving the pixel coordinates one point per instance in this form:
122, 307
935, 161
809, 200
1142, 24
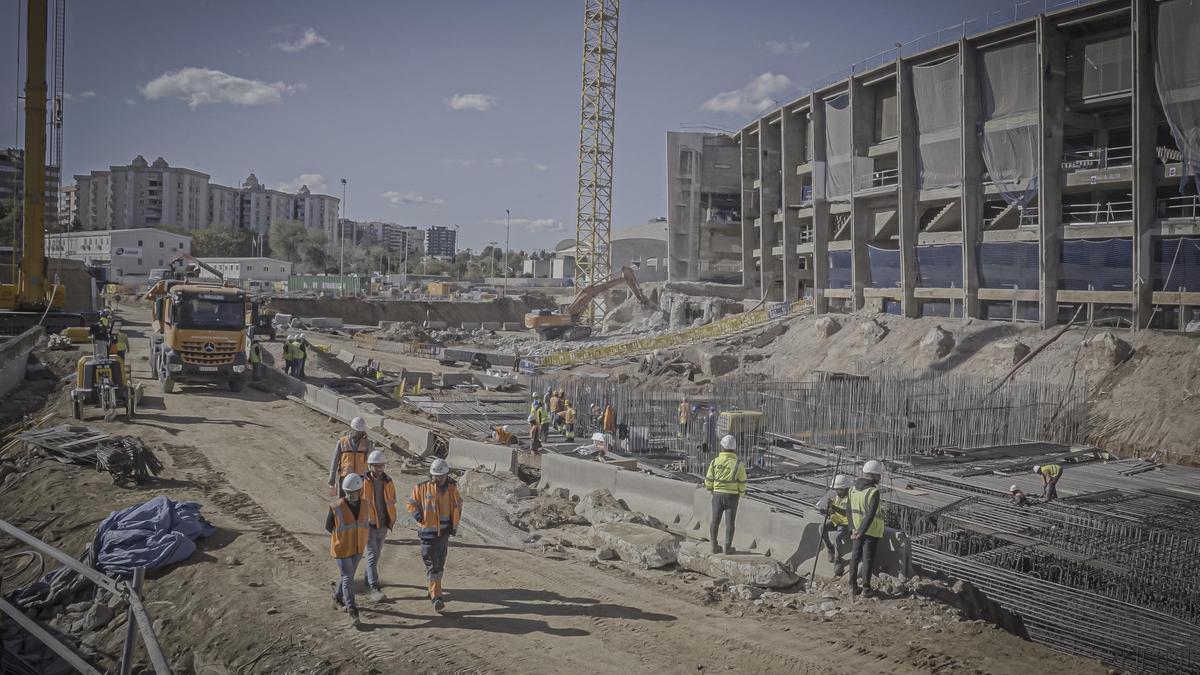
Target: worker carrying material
350, 453
833, 506
436, 506
347, 525
379, 492
1050, 474
726, 480
866, 527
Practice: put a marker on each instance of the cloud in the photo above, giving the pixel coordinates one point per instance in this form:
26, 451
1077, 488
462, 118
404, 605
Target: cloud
752, 99
540, 167
88, 94
458, 161
198, 86
397, 198
532, 224
497, 161
480, 102
68, 96
315, 182
129, 101
310, 38
787, 46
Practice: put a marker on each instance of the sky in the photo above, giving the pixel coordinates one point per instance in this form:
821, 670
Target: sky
439, 113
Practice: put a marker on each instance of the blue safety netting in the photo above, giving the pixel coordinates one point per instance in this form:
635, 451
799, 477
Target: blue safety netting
1097, 265
1177, 264
891, 306
839, 270
1008, 264
939, 266
884, 267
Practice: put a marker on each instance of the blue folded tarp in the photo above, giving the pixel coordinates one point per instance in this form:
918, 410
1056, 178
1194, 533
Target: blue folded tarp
152, 534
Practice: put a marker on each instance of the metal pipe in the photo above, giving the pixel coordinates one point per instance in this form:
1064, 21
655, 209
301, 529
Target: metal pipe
149, 639
33, 628
91, 574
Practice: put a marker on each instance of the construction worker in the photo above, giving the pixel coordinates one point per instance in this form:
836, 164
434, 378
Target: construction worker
255, 358
543, 420
684, 409
379, 492
105, 319
350, 453
503, 435
552, 407
1050, 475
866, 526
303, 344
287, 353
835, 508
557, 409
533, 406
569, 422
608, 424
1017, 496
347, 524
535, 434
726, 480
597, 448
436, 506
120, 340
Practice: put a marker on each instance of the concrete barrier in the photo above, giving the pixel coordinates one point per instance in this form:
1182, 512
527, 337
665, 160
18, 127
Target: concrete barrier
325, 322
282, 319
489, 325
14, 356
418, 439
455, 379
577, 476
436, 325
470, 325
470, 454
514, 325
411, 377
671, 501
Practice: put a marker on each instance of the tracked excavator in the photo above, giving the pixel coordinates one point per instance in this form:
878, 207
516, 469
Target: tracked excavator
567, 324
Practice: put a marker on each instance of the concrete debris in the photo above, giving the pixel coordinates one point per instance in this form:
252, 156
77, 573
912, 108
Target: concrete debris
938, 342
1012, 351
1107, 350
768, 336
872, 331
501, 490
826, 326
599, 507
738, 568
546, 512
710, 363
1192, 328
638, 544
745, 592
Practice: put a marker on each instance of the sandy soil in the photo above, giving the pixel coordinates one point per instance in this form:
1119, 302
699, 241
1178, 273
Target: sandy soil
260, 586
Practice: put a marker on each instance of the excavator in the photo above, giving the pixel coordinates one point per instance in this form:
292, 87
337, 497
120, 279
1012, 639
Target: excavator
566, 324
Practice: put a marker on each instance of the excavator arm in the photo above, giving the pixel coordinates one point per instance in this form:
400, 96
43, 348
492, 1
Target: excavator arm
586, 296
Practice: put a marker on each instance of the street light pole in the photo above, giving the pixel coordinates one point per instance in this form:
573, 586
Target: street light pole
342, 234
492, 255
507, 222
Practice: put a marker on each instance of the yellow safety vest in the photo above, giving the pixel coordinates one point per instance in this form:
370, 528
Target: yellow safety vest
255, 353
858, 510
1051, 471
726, 474
122, 342
837, 510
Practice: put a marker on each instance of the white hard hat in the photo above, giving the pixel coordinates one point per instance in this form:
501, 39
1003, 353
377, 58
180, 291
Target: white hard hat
873, 466
842, 481
1012, 488
1037, 469
729, 442
439, 468
300, 335
376, 457
597, 436
352, 482
358, 424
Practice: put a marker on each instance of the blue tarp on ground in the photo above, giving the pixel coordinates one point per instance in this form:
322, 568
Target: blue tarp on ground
152, 534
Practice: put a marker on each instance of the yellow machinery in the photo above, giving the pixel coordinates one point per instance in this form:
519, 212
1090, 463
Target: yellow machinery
568, 323
103, 379
200, 328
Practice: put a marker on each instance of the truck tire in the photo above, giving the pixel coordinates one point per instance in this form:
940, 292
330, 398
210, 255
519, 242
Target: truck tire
237, 384
168, 385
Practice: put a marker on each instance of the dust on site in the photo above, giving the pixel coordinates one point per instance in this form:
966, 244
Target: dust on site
925, 282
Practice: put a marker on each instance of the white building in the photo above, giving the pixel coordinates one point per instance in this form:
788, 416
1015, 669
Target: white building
249, 273
128, 255
68, 208
224, 205
317, 212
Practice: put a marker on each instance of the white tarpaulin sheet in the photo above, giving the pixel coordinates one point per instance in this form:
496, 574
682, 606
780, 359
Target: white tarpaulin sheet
1009, 137
1177, 74
936, 94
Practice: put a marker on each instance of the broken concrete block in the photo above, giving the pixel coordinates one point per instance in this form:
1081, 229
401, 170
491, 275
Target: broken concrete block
599, 506
768, 336
1012, 351
97, 617
501, 490
745, 592
826, 326
638, 544
711, 363
1107, 350
436, 325
872, 331
737, 568
937, 342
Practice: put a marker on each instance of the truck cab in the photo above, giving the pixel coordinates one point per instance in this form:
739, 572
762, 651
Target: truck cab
199, 335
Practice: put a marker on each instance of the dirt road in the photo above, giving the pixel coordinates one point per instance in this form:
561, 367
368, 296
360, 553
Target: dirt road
259, 465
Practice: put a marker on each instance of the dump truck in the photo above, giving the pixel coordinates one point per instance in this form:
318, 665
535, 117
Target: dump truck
199, 328
566, 324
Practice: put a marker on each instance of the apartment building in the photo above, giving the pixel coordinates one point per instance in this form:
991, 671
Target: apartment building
12, 183
440, 241
704, 201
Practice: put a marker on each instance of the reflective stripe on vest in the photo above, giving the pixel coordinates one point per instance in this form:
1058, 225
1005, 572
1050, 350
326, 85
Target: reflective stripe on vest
722, 475
858, 510
352, 460
349, 536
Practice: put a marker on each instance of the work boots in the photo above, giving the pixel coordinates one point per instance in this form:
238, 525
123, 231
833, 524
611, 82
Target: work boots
353, 612
377, 594
716, 548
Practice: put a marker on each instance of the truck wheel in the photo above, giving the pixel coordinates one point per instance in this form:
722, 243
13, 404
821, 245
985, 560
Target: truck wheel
237, 384
168, 385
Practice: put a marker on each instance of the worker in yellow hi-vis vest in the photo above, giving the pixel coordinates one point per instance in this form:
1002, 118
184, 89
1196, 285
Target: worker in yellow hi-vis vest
866, 527
1050, 474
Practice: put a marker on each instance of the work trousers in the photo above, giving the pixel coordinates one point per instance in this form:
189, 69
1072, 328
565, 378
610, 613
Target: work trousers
433, 554
722, 503
835, 547
375, 538
345, 587
570, 433
1052, 488
864, 551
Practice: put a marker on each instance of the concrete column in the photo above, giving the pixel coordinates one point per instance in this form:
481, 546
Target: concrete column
769, 167
971, 191
907, 204
821, 224
793, 129
862, 114
749, 209
1052, 106
1144, 137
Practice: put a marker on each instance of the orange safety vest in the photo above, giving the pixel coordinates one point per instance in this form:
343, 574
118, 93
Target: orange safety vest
389, 499
609, 422
353, 460
503, 437
433, 509
349, 536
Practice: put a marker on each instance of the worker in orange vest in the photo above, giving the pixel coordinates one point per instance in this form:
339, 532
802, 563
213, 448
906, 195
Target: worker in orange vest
379, 492
608, 424
436, 506
348, 527
350, 454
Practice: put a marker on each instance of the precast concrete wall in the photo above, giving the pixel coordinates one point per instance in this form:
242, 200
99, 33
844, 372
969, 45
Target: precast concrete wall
577, 476
370, 313
671, 501
14, 356
419, 439
470, 454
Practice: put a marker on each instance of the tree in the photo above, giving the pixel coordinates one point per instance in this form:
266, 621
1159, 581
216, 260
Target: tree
285, 239
11, 224
222, 242
312, 249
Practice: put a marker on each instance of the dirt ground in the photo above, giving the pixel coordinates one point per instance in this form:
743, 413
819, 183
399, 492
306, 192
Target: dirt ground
255, 598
